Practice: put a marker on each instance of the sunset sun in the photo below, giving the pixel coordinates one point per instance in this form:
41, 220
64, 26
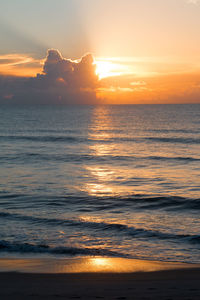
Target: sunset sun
108, 68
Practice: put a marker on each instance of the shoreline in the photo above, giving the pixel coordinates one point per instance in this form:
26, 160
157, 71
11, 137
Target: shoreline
94, 264
77, 279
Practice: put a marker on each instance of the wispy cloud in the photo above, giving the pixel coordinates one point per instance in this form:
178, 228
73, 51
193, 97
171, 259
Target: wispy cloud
18, 64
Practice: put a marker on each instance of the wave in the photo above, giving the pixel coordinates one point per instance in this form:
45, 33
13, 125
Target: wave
41, 138
164, 202
135, 201
112, 139
31, 157
180, 130
105, 227
174, 158
174, 140
46, 249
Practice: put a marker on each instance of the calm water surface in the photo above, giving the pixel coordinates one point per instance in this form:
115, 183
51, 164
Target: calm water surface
101, 180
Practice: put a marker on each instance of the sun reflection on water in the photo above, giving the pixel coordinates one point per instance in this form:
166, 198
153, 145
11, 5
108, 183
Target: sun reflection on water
85, 265
100, 261
101, 172
100, 132
94, 189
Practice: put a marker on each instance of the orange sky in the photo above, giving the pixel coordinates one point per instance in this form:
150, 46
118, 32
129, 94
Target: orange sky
146, 51
127, 80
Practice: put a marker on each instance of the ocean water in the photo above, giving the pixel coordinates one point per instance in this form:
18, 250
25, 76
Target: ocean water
119, 181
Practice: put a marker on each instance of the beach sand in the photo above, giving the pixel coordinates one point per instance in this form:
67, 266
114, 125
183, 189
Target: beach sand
97, 278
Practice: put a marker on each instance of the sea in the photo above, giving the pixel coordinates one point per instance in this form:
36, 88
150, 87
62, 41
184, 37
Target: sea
114, 181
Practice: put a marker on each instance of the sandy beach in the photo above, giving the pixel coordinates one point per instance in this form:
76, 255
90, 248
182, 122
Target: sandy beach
147, 280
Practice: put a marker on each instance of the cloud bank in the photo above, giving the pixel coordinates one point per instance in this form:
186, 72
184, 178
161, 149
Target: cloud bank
61, 81
65, 81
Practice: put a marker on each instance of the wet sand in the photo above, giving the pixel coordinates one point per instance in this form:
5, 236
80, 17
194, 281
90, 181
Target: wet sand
155, 281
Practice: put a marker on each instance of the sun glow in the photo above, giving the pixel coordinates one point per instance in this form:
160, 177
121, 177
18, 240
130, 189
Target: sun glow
106, 68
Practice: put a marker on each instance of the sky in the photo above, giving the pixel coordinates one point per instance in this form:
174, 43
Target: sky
144, 51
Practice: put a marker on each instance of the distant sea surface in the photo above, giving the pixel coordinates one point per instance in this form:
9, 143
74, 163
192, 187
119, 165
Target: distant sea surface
118, 181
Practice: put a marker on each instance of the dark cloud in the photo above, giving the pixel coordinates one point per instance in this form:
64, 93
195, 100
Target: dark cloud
61, 81
74, 74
